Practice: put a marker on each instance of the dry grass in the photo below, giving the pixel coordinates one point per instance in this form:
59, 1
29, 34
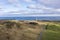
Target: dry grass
18, 31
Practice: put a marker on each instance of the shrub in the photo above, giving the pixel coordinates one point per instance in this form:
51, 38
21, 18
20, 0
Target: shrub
33, 23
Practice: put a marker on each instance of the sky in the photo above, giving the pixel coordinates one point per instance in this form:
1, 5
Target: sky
13, 8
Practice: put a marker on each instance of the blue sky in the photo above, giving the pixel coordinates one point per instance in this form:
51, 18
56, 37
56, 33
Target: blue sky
10, 8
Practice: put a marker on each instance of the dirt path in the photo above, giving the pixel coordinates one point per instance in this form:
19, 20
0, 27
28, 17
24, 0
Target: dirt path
41, 33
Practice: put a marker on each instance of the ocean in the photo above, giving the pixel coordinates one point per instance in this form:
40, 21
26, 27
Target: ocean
31, 18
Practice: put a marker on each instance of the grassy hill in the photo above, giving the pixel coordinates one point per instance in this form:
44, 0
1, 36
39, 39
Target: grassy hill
52, 32
18, 30
28, 30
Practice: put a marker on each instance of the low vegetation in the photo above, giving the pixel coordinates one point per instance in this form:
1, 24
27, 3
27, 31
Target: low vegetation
18, 30
52, 32
25, 30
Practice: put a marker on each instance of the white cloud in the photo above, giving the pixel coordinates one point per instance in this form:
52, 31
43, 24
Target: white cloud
43, 9
27, 0
32, 8
50, 3
58, 10
12, 1
15, 3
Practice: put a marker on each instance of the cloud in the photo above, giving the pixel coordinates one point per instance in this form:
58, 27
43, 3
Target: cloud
15, 3
29, 7
28, 0
50, 3
32, 6
44, 9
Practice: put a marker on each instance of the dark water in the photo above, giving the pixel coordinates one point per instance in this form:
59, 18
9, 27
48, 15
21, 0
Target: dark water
30, 18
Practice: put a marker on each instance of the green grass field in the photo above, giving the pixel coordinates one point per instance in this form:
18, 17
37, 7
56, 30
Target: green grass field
52, 32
